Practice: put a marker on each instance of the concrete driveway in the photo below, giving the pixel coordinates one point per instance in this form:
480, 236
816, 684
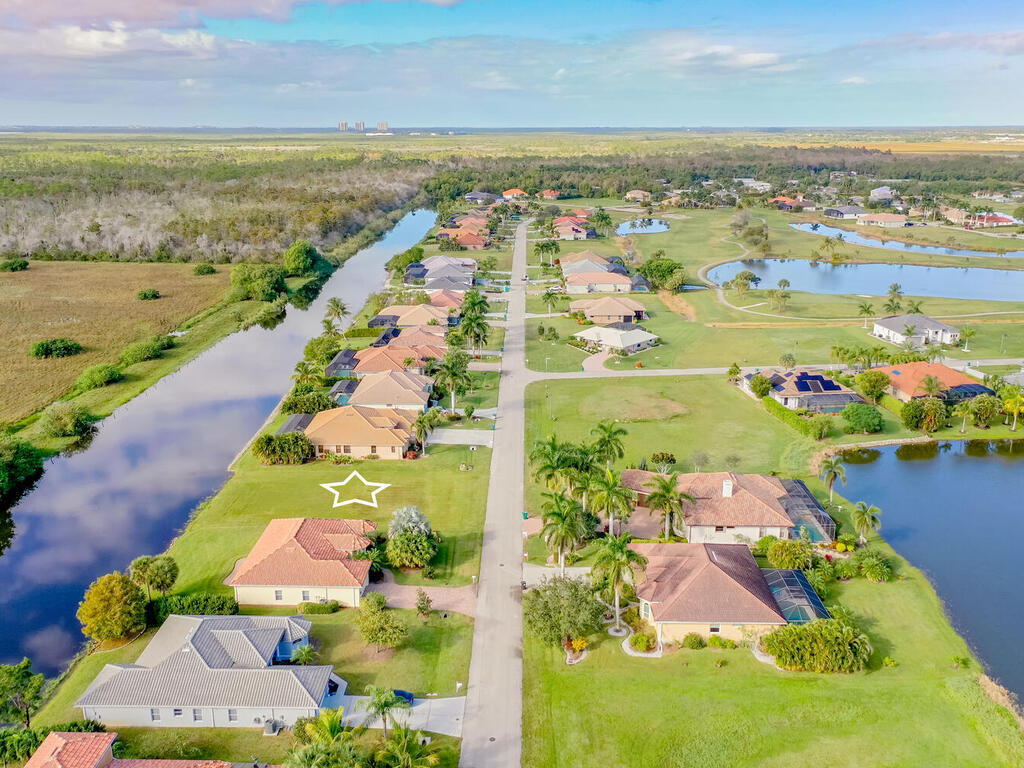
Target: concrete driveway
456, 599
438, 715
481, 437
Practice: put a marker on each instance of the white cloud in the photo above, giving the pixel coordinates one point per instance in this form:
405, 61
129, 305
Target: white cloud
853, 80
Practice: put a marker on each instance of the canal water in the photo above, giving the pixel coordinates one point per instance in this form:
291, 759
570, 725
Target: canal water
875, 279
132, 490
954, 510
855, 238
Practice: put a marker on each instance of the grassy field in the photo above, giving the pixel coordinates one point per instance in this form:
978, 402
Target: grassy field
95, 304
225, 527
484, 393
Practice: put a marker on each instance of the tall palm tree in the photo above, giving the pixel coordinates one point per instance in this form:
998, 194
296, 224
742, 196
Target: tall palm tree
328, 325
453, 373
550, 297
474, 303
895, 291
583, 484
913, 307
865, 310
608, 441
426, 423
611, 498
1013, 404
336, 310
665, 497
962, 410
381, 702
475, 328
615, 562
406, 749
563, 525
547, 459
909, 329
892, 306
307, 372
967, 333
832, 469
338, 754
865, 520
329, 726
931, 386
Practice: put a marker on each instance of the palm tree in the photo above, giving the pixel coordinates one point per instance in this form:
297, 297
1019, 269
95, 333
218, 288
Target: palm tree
328, 325
865, 520
931, 386
307, 372
550, 297
963, 410
666, 497
832, 469
582, 483
892, 306
453, 373
909, 329
895, 292
474, 303
913, 307
338, 754
407, 749
475, 328
608, 441
304, 655
1013, 404
426, 423
547, 460
967, 333
611, 497
328, 727
336, 310
615, 562
381, 702
865, 310
563, 526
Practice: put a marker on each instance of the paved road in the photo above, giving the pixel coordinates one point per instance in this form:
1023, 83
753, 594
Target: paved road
492, 732
439, 715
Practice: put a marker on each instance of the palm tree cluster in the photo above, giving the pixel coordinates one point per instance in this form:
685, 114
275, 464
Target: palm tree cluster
474, 325
864, 357
579, 487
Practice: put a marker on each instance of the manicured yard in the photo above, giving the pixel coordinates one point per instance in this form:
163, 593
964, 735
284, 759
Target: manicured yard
484, 393
225, 528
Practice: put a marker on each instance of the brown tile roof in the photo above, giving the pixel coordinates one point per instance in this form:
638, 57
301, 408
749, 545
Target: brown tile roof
907, 377
416, 314
598, 277
392, 358
446, 299
607, 306
577, 220
359, 425
421, 335
569, 258
755, 499
307, 552
714, 583
71, 750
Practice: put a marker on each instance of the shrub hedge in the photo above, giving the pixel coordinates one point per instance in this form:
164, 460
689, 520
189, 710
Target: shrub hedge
363, 333
149, 349
782, 413
96, 376
191, 604
825, 645
291, 448
331, 606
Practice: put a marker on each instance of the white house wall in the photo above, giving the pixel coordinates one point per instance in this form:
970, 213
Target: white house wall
212, 717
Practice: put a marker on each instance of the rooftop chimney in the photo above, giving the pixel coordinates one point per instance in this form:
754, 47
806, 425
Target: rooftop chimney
727, 487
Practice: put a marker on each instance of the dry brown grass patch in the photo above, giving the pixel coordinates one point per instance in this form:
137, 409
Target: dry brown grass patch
637, 404
676, 303
94, 303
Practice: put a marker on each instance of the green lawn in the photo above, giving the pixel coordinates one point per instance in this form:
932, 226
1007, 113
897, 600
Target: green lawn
484, 393
225, 527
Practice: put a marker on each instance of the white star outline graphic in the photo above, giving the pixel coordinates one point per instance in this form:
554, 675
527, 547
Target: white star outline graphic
334, 488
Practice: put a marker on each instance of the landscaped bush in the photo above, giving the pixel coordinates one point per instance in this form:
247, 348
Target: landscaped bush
863, 418
643, 642
873, 566
764, 543
929, 414
760, 385
205, 269
693, 641
561, 608
55, 348
377, 557
331, 606
363, 333
96, 376
148, 294
631, 617
322, 349
313, 402
291, 448
845, 569
18, 744
411, 549
14, 265
825, 645
717, 641
191, 604
873, 384
146, 350
790, 553
64, 420
793, 418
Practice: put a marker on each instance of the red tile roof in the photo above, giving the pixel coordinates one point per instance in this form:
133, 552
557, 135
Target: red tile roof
307, 552
89, 750
907, 377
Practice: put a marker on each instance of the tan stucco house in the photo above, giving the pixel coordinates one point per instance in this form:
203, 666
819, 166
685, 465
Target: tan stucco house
393, 389
610, 309
357, 431
305, 560
597, 282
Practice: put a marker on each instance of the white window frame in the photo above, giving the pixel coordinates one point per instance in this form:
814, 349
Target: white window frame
232, 715
278, 595
154, 715
305, 595
197, 715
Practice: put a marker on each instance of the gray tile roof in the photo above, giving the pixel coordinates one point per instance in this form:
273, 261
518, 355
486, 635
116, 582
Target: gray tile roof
921, 323
213, 661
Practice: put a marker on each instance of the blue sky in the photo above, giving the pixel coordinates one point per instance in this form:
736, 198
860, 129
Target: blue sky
493, 63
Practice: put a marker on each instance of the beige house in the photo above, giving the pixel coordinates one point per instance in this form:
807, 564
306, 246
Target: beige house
737, 508
421, 335
394, 357
610, 309
597, 282
638, 196
393, 389
305, 560
587, 255
417, 314
446, 299
357, 431
886, 220
710, 589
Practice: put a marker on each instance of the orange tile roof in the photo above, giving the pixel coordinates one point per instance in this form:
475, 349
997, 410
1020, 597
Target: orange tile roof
907, 377
446, 299
706, 583
469, 238
392, 358
88, 750
359, 425
307, 552
513, 191
755, 499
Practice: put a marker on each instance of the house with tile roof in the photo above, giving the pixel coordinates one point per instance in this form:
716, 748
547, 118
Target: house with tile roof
918, 329
61, 749
358, 431
597, 282
906, 382
305, 560
550, 194
610, 309
586, 265
460, 285
446, 299
394, 357
415, 314
444, 260
730, 507
571, 258
886, 220
710, 589
393, 389
570, 231
515, 193
616, 339
637, 196
811, 390
421, 335
215, 672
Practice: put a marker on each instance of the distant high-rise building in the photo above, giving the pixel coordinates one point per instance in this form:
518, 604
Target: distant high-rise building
342, 126
360, 125
382, 127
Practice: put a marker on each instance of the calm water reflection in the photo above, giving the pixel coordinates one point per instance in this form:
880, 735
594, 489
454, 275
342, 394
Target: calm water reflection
151, 462
875, 279
855, 238
955, 510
